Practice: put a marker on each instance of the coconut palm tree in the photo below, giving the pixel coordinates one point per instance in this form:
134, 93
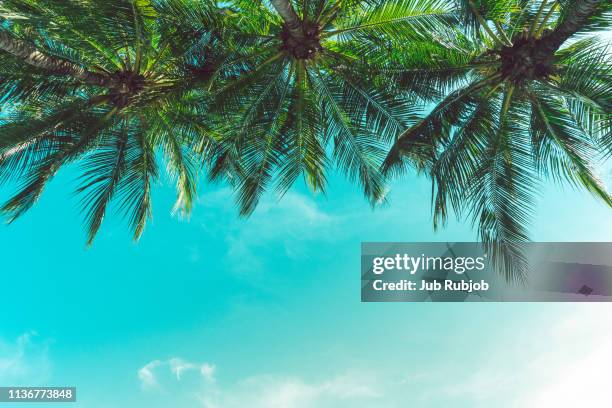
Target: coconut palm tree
312, 96
106, 85
530, 98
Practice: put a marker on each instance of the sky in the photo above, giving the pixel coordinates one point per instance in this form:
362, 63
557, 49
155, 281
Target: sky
221, 312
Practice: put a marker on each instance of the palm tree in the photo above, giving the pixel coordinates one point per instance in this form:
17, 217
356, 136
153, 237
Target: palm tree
530, 98
107, 85
310, 99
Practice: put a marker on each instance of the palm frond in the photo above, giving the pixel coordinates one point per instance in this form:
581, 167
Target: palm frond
101, 172
356, 150
563, 149
503, 190
403, 20
418, 145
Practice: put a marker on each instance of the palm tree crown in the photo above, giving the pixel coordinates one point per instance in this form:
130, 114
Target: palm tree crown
525, 103
105, 85
310, 99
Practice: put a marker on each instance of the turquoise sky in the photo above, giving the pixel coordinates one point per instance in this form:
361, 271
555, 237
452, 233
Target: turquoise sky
222, 312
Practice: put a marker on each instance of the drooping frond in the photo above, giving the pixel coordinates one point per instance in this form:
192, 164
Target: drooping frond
133, 191
357, 151
419, 144
502, 189
101, 173
563, 149
304, 151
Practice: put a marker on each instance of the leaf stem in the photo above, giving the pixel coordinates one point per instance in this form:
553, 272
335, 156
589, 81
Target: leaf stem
484, 24
138, 57
546, 18
534, 24
503, 34
330, 15
507, 101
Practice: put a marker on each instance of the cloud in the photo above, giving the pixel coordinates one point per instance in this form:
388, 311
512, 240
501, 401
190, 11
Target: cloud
284, 228
575, 367
298, 393
149, 374
559, 356
177, 366
297, 209
292, 392
259, 391
146, 374
208, 371
561, 363
24, 359
293, 214
291, 202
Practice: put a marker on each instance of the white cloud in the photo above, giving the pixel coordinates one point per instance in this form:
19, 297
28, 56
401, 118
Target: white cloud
146, 374
24, 359
293, 392
297, 209
177, 366
294, 214
291, 202
557, 363
579, 384
541, 360
260, 391
208, 371
576, 366
297, 222
149, 374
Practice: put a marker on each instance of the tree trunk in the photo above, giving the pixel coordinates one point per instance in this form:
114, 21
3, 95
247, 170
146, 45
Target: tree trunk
571, 23
290, 17
30, 55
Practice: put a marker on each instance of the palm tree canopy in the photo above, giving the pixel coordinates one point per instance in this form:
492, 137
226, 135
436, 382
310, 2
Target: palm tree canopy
108, 85
261, 93
521, 104
312, 97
